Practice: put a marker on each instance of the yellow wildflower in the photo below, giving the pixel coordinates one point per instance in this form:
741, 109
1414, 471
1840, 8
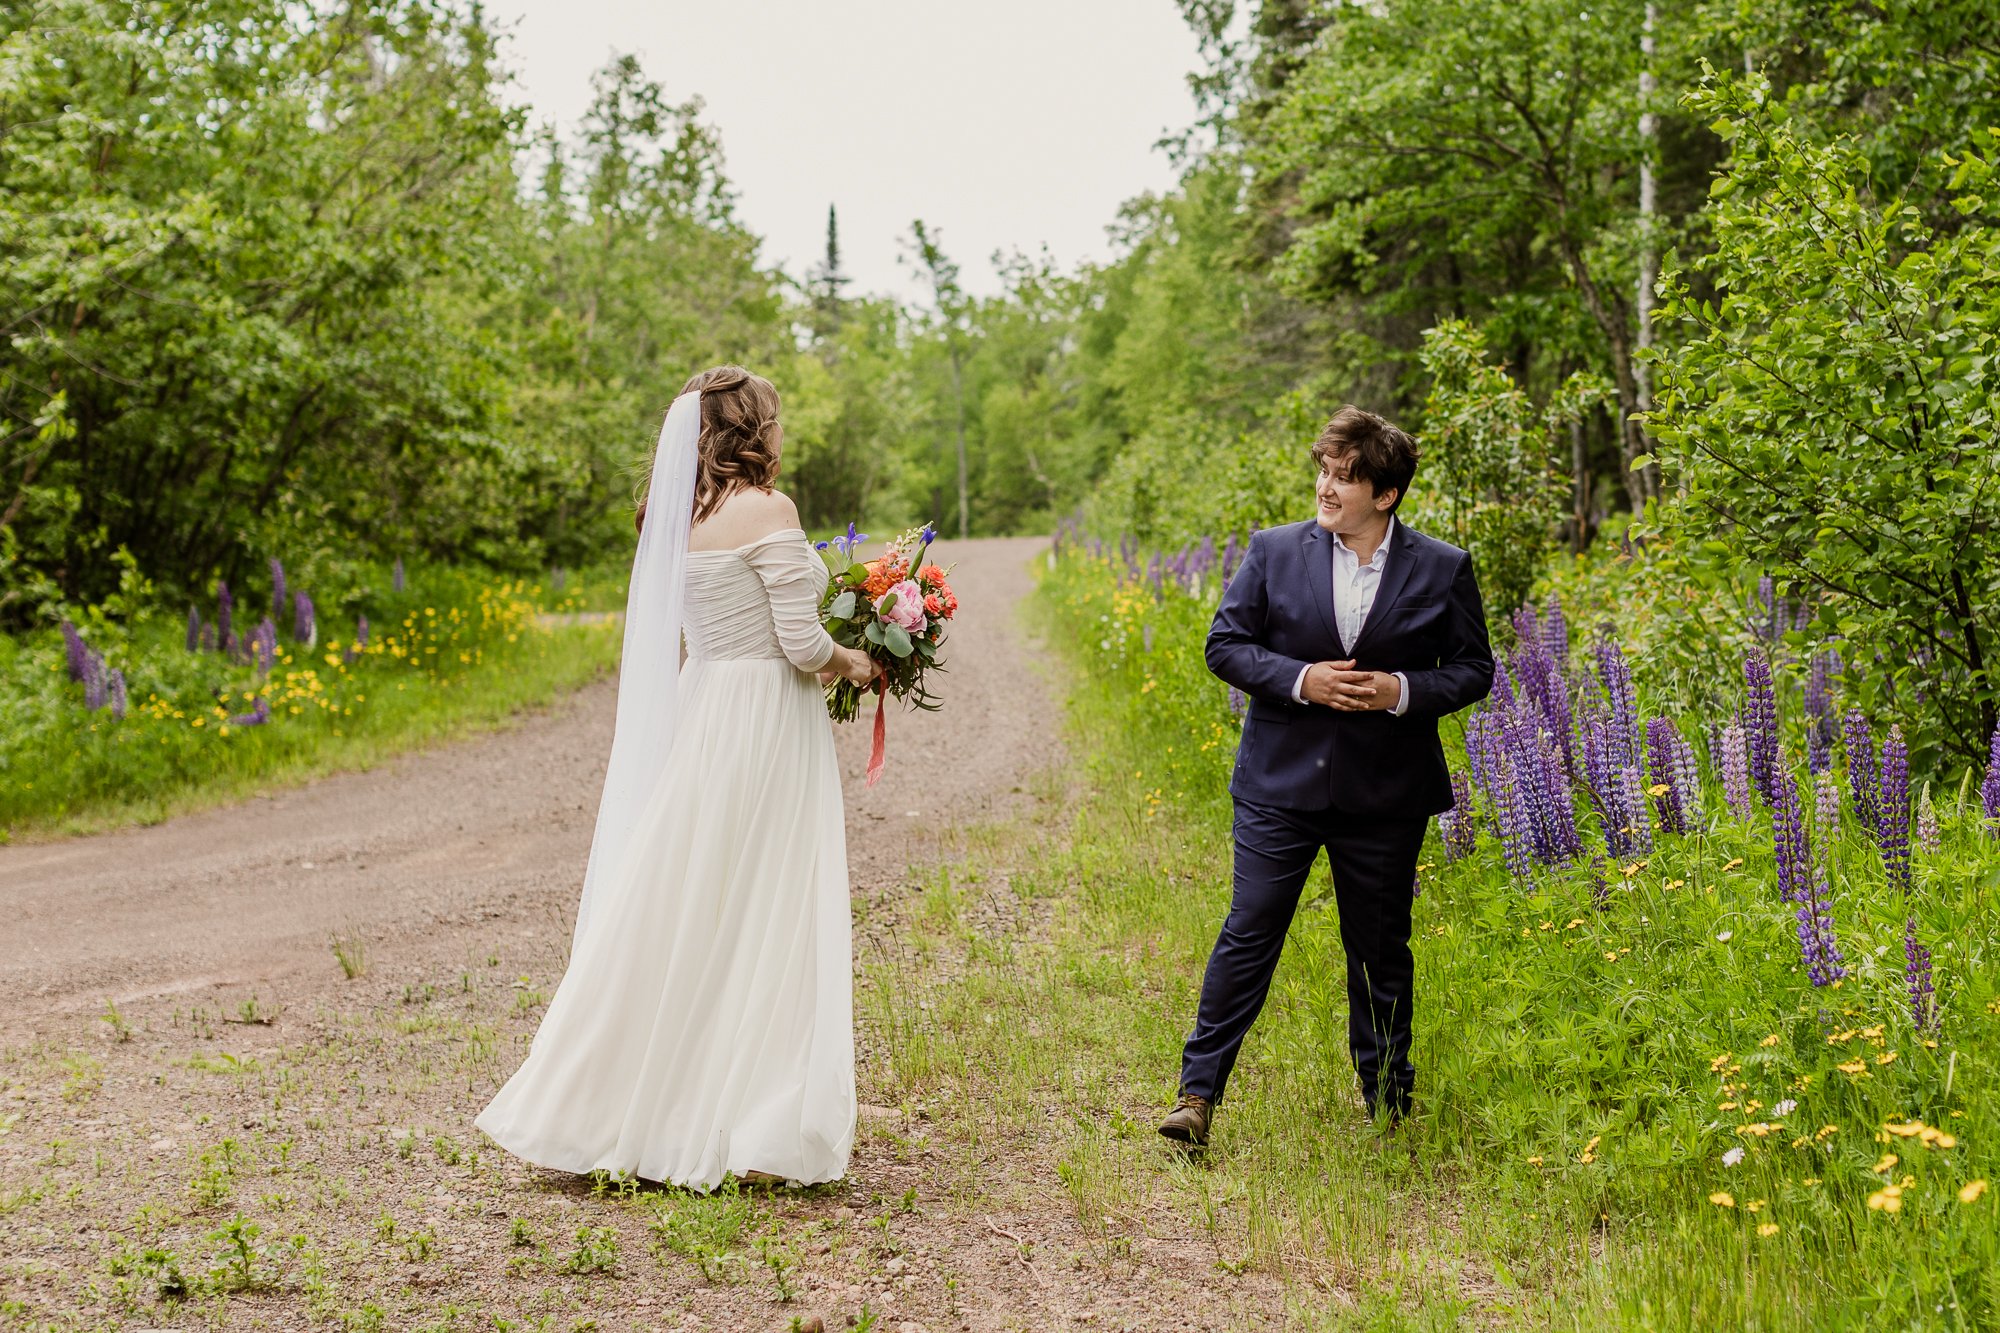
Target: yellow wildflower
1855, 1067
1885, 1058
1768, 1230
1889, 1159
1771, 1040
1909, 1131
1722, 1199
1590, 1149
1971, 1191
1888, 1199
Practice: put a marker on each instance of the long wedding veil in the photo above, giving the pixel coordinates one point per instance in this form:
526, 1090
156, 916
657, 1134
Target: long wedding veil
649, 671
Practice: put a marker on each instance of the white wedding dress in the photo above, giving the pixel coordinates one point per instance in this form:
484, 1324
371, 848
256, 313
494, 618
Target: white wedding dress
705, 1024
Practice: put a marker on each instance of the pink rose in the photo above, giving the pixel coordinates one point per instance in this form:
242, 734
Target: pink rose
909, 608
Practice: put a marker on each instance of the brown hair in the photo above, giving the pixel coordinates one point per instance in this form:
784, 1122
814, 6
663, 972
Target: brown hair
1377, 452
739, 441
739, 435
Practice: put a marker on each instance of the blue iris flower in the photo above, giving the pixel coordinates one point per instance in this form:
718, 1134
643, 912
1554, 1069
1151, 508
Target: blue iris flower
854, 538
928, 535
821, 546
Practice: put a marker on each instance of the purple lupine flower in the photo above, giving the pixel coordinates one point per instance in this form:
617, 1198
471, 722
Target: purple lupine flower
1237, 703
194, 630
1929, 836
1989, 790
1687, 782
277, 588
1826, 808
1615, 677
259, 714
396, 575
208, 637
1229, 555
1735, 766
1600, 882
264, 645
1790, 846
96, 688
1477, 747
1662, 762
1632, 805
1893, 826
1760, 724
1541, 680
1801, 883
304, 628
1458, 826
1511, 809
1819, 712
1146, 637
225, 606
1600, 773
360, 640
1766, 617
1917, 973
1861, 769
76, 654
1555, 632
118, 698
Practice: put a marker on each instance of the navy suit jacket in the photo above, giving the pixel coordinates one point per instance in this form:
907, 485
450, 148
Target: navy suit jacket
1276, 617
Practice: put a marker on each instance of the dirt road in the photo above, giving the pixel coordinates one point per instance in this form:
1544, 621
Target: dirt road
401, 857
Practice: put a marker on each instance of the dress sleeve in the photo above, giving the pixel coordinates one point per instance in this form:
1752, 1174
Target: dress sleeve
790, 571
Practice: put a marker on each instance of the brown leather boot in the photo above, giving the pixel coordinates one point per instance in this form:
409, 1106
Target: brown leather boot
1188, 1122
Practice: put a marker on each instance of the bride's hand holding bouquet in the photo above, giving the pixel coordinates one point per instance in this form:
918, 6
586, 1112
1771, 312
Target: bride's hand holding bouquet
893, 609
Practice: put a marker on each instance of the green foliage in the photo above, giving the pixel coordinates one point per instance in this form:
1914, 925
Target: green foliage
329, 317
1491, 480
1831, 415
223, 257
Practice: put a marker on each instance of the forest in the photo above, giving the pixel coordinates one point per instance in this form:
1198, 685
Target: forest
290, 284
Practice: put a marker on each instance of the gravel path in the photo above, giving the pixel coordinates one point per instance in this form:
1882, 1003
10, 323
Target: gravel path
428, 844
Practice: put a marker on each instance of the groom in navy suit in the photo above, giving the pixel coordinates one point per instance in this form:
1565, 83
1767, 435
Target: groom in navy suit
1352, 634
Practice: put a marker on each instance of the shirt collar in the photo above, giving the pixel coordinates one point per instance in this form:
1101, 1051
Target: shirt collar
1342, 549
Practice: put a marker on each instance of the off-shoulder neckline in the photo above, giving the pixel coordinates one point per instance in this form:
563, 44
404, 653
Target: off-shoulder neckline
737, 550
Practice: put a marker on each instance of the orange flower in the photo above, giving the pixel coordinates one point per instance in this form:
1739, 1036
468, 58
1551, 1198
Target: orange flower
882, 576
932, 574
932, 606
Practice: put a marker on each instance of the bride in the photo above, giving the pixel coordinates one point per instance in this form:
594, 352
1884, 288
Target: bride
705, 1024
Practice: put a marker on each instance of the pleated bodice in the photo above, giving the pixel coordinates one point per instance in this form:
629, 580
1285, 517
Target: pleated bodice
758, 601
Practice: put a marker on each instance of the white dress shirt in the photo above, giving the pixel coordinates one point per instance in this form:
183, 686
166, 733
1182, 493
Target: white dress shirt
1354, 585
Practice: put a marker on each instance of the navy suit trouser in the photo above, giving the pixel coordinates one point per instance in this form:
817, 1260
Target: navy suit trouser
1374, 862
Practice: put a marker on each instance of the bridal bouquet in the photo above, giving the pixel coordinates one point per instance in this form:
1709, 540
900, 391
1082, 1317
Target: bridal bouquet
893, 608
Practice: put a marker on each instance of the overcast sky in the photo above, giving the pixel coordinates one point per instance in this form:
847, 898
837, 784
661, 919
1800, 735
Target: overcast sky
1007, 125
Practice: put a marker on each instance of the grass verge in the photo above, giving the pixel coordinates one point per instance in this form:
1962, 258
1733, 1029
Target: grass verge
454, 652
1636, 1111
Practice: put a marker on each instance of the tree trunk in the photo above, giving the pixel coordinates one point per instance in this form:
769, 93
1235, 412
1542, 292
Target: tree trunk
1649, 255
958, 399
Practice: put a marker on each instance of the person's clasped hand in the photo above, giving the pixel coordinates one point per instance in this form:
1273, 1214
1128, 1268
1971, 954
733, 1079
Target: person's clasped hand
1339, 686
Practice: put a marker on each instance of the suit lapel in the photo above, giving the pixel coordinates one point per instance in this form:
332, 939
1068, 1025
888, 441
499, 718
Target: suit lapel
1319, 574
1402, 557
